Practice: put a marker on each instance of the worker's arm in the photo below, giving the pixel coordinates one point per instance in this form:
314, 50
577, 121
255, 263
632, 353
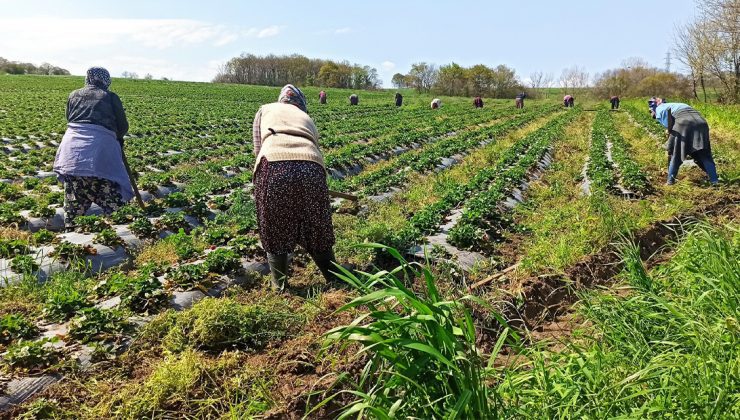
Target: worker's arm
256, 132
671, 121
121, 120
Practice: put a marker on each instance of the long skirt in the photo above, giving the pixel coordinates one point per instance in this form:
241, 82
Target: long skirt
690, 134
80, 192
293, 208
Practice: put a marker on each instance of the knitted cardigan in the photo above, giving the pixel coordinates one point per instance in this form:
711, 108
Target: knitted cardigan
284, 132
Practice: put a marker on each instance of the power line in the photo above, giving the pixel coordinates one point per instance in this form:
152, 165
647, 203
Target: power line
668, 62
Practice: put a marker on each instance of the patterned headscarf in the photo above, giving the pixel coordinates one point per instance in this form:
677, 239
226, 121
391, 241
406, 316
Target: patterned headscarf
290, 94
97, 77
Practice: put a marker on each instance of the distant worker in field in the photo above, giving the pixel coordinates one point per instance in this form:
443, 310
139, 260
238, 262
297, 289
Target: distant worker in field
322, 97
89, 160
290, 189
436, 103
688, 135
568, 101
478, 102
520, 100
614, 101
353, 99
399, 99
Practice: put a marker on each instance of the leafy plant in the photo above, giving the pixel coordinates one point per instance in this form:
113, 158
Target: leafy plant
68, 251
94, 324
37, 355
185, 245
173, 222
64, 300
245, 245
14, 327
222, 261
24, 264
91, 224
8, 215
188, 276
143, 227
126, 214
108, 237
216, 235
176, 199
13, 247
144, 294
43, 237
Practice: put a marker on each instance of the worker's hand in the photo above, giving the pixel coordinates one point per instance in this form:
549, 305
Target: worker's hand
668, 132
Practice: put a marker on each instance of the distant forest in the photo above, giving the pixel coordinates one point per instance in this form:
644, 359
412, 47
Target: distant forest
17, 67
278, 70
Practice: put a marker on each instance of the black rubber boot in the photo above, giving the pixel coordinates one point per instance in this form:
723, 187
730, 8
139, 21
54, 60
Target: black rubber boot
325, 262
279, 269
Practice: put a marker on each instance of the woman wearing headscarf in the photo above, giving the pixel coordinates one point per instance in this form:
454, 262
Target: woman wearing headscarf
688, 135
290, 188
354, 99
436, 103
89, 160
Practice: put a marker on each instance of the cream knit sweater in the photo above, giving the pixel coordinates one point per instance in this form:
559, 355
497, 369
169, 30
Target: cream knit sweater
286, 133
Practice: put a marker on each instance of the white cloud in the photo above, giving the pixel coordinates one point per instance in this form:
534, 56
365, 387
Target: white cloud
388, 65
63, 34
270, 31
344, 30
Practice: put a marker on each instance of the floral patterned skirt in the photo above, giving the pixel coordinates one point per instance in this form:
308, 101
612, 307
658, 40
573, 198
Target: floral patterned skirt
293, 207
80, 192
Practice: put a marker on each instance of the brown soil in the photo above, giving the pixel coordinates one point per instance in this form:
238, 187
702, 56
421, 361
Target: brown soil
544, 298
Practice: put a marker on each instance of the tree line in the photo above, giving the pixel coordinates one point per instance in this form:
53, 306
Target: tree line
636, 78
278, 70
455, 80
709, 47
17, 67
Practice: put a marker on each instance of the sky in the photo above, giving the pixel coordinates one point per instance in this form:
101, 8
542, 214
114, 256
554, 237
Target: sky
188, 40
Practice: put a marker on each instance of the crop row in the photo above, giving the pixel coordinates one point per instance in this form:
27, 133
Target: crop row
610, 159
428, 219
483, 217
643, 119
422, 160
600, 170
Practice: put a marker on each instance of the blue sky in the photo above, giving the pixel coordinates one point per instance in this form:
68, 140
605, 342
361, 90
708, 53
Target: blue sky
187, 40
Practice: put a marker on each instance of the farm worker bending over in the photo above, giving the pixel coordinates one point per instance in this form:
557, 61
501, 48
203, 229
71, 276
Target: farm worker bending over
322, 97
478, 102
399, 99
568, 101
290, 190
89, 160
436, 103
653, 104
520, 100
688, 135
614, 101
353, 99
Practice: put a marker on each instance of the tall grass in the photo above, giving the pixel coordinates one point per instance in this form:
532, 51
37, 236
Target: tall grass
668, 348
422, 359
667, 345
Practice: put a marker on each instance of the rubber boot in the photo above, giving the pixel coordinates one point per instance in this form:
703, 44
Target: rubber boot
325, 262
279, 269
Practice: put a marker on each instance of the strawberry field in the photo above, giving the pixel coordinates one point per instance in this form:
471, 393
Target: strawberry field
476, 232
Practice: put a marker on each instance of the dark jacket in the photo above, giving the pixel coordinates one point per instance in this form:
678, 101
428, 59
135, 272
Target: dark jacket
92, 105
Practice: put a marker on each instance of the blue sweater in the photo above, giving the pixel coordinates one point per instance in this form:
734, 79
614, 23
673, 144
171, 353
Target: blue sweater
661, 112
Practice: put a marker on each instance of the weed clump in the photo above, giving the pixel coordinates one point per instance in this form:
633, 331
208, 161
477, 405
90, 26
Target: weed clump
219, 324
